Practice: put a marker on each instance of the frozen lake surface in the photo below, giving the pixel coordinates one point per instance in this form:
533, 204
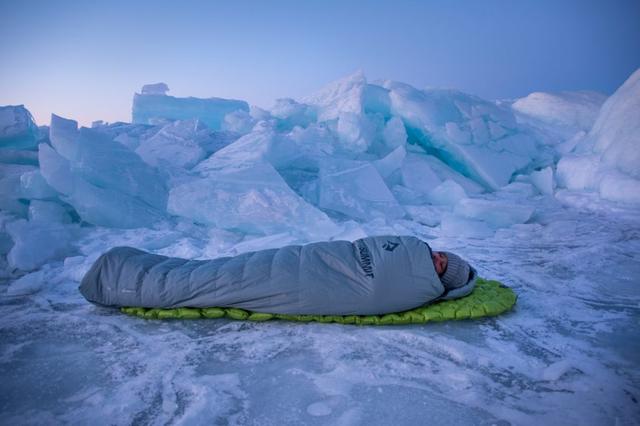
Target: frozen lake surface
567, 353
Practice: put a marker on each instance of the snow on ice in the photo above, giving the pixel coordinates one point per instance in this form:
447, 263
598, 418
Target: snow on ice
542, 193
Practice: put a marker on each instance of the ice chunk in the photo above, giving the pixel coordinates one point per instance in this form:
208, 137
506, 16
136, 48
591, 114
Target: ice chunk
34, 186
616, 186
254, 199
339, 97
350, 94
391, 162
616, 132
455, 226
176, 145
97, 205
394, 133
18, 156
155, 89
17, 128
244, 152
64, 137
37, 243
27, 284
240, 122
607, 160
479, 139
578, 172
149, 107
355, 132
291, 114
497, 214
48, 212
427, 215
418, 175
564, 113
95, 158
11, 194
356, 189
447, 193
543, 180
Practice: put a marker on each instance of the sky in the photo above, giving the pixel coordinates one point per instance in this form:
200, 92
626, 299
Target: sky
84, 59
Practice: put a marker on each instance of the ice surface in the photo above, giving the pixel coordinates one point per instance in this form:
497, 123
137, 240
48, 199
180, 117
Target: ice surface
151, 108
17, 128
355, 159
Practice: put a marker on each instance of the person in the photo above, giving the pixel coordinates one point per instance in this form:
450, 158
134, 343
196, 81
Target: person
369, 276
454, 276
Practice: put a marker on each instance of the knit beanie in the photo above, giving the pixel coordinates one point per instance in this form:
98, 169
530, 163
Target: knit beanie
457, 272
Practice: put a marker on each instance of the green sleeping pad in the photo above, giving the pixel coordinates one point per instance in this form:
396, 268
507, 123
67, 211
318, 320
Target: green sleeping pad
489, 298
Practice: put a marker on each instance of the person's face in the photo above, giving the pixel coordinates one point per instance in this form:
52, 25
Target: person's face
440, 261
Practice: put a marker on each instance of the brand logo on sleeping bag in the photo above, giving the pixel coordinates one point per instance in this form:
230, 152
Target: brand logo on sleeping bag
365, 259
390, 245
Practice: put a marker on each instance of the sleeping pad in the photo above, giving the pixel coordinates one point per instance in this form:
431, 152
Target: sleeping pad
370, 276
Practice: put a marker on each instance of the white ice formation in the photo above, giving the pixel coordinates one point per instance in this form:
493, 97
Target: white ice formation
352, 157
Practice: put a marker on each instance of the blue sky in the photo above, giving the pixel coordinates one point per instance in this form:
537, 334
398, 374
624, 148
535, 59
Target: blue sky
84, 59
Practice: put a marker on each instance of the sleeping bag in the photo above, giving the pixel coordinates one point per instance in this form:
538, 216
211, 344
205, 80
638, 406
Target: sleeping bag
370, 276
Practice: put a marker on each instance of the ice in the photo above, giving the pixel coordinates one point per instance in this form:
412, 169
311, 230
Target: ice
155, 89
11, 199
447, 193
176, 145
391, 162
94, 204
48, 212
617, 129
152, 108
607, 159
543, 180
342, 96
17, 128
104, 181
394, 134
562, 114
466, 175
17, 156
254, 200
477, 138
291, 114
240, 122
27, 284
418, 174
497, 214
356, 189
37, 243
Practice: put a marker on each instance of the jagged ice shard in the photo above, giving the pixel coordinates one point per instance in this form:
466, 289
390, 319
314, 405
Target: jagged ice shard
539, 192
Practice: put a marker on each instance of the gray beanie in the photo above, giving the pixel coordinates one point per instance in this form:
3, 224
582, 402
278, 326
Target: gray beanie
457, 272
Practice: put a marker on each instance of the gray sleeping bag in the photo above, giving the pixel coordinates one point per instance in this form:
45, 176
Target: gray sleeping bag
374, 275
